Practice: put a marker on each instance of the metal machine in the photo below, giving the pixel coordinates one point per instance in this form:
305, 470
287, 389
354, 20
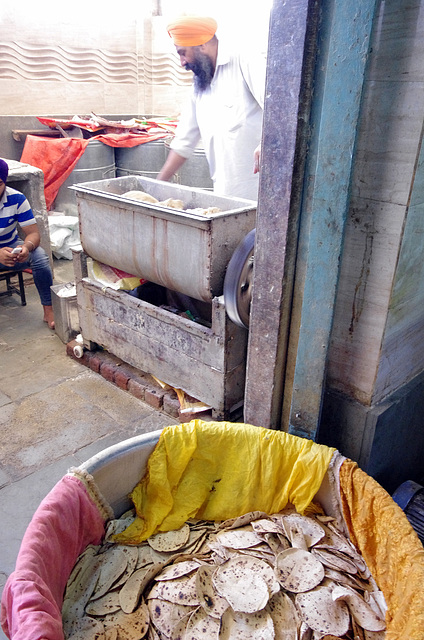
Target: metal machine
238, 281
186, 250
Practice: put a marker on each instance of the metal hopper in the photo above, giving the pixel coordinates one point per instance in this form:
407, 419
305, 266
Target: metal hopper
185, 252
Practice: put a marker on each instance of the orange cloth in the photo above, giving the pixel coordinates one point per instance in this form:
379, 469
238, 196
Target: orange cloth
191, 31
57, 157
390, 547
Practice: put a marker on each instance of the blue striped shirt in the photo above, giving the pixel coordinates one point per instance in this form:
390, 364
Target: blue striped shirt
14, 210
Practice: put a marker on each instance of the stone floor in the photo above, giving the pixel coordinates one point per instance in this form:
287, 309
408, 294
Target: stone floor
55, 413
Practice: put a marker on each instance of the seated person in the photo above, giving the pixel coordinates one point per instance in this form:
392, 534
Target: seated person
15, 210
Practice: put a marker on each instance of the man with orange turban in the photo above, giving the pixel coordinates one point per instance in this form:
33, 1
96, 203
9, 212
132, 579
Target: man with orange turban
225, 110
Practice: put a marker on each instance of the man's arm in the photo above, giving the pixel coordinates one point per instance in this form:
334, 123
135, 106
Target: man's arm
173, 162
31, 242
257, 159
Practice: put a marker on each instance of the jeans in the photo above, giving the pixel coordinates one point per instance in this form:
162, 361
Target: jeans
38, 262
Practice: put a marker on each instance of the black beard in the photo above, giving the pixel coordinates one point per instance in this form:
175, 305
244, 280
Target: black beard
203, 70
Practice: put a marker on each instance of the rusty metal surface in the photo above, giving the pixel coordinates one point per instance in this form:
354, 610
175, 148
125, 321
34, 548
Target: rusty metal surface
288, 92
207, 363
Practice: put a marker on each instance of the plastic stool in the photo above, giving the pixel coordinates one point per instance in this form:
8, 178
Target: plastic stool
8, 275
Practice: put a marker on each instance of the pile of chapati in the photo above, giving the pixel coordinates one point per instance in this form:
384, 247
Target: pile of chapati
170, 203
285, 576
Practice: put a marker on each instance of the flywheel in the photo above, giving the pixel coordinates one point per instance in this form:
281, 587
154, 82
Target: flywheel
239, 280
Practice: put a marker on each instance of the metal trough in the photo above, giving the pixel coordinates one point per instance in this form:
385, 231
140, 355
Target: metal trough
185, 252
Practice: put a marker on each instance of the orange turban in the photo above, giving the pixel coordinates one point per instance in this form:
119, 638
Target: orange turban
190, 31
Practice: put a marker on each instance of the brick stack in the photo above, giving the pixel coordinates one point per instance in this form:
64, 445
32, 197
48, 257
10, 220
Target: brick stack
139, 384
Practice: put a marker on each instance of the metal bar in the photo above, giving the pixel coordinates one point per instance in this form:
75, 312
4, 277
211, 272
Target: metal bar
291, 54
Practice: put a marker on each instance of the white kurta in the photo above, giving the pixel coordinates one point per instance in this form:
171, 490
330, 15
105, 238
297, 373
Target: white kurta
227, 117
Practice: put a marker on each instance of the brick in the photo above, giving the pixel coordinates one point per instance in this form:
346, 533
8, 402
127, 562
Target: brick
138, 382
153, 383
108, 365
94, 362
105, 356
107, 370
87, 357
136, 388
70, 352
130, 371
154, 397
171, 404
70, 348
121, 378
85, 360
142, 379
187, 417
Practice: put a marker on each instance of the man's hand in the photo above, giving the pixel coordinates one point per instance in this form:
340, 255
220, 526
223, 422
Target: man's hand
7, 257
257, 156
23, 255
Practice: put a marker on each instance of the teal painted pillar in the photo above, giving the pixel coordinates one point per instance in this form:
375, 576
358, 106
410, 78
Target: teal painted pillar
341, 66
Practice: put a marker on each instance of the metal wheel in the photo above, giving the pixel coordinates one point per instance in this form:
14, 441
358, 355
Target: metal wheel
239, 280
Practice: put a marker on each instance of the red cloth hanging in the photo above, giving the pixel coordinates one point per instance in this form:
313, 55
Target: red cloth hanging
57, 157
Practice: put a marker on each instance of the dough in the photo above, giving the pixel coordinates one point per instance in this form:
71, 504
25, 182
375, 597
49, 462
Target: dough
140, 195
173, 204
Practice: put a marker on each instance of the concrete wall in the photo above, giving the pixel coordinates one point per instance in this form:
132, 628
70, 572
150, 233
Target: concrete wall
373, 407
379, 319
401, 351
386, 440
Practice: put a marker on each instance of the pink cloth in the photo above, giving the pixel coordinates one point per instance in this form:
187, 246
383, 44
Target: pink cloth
65, 523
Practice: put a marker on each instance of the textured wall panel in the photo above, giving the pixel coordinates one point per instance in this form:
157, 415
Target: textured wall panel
131, 67
164, 69
33, 62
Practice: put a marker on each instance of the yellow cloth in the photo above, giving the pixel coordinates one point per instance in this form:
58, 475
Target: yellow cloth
219, 470
391, 549
111, 277
191, 31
